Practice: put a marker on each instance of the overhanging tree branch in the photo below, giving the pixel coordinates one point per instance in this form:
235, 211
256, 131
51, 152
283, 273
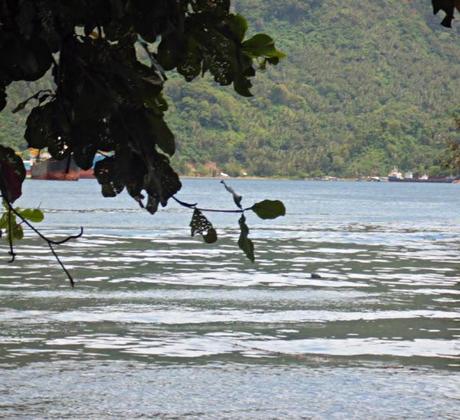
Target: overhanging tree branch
50, 242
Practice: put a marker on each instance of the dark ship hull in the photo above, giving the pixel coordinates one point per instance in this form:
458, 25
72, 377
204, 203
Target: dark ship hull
56, 170
87, 174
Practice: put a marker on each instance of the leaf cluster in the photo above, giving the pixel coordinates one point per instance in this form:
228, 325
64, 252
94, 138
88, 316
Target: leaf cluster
266, 209
11, 228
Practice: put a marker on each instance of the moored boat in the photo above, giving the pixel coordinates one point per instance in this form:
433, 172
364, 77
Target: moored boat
396, 176
438, 180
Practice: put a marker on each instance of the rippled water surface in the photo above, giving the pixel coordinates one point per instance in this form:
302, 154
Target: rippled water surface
161, 324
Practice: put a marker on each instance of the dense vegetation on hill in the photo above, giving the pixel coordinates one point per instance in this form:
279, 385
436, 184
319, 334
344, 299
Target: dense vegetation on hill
366, 86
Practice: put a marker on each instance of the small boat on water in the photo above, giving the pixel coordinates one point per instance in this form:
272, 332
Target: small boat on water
396, 176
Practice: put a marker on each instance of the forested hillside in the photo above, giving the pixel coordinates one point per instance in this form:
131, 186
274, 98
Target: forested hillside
367, 85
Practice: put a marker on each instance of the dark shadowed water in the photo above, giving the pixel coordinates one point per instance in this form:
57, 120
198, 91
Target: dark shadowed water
161, 324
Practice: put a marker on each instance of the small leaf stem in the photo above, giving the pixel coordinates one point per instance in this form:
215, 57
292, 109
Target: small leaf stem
69, 276
50, 242
195, 206
10, 236
25, 221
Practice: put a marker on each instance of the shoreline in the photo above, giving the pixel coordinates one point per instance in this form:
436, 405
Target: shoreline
274, 178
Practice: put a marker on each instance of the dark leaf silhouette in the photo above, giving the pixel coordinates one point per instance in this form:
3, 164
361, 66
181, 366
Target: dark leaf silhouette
245, 244
2, 97
262, 45
238, 25
448, 7
201, 225
12, 174
236, 197
269, 209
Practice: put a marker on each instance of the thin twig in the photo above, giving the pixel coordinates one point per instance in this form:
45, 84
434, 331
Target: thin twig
69, 276
41, 234
36, 95
10, 237
183, 203
195, 207
50, 242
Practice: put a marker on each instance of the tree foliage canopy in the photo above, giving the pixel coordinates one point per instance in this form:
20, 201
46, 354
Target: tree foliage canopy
106, 97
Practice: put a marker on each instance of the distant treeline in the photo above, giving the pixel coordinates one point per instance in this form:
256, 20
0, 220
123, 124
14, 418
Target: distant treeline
366, 86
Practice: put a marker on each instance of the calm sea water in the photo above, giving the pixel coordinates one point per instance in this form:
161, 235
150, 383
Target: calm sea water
161, 324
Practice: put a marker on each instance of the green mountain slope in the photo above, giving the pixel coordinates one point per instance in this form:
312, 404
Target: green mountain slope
366, 86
